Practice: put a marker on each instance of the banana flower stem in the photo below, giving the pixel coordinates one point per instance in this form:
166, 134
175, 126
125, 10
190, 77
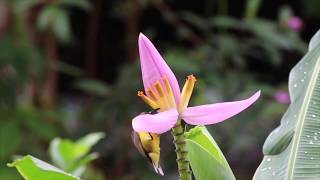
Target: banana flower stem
179, 141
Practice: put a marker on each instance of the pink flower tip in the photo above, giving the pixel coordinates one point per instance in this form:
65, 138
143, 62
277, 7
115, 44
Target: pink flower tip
282, 97
142, 37
295, 23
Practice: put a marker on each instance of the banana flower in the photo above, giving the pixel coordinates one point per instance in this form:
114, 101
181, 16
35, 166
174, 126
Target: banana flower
162, 92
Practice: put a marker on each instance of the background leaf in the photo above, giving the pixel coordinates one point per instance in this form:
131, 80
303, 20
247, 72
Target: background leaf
91, 86
83, 4
252, 8
73, 156
55, 19
292, 151
10, 137
314, 41
32, 168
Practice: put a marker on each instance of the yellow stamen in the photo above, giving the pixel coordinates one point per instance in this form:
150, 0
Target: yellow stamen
171, 100
147, 100
162, 94
156, 98
186, 92
159, 95
152, 94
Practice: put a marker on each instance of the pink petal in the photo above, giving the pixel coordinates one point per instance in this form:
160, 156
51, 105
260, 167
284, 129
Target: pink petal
155, 123
214, 113
154, 68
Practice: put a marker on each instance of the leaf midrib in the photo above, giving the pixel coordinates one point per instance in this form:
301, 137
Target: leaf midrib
302, 113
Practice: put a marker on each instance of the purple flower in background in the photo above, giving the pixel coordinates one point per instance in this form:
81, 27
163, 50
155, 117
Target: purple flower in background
282, 97
295, 23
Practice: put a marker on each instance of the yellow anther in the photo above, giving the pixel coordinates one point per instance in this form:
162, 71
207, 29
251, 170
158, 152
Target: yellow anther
147, 100
186, 92
170, 96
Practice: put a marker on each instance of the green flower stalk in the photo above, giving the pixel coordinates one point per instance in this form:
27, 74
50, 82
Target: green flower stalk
179, 141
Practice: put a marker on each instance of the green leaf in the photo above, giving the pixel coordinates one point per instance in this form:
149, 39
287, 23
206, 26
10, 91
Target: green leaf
55, 19
44, 129
93, 173
79, 167
32, 168
314, 40
8, 86
90, 139
73, 156
46, 17
252, 8
8, 173
92, 86
61, 26
21, 6
227, 23
69, 69
83, 4
206, 159
10, 137
67, 151
292, 150
35, 120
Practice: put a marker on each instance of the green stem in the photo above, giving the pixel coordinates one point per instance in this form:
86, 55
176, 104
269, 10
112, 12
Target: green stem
181, 151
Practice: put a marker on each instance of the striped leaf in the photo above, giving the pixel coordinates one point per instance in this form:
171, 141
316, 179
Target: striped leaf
292, 150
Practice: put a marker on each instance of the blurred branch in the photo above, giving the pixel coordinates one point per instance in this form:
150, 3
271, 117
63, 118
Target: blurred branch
45, 92
132, 29
92, 37
50, 86
24, 21
170, 16
7, 88
5, 17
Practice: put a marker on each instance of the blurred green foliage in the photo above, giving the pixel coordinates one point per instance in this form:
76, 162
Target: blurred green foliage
72, 157
290, 143
32, 168
54, 16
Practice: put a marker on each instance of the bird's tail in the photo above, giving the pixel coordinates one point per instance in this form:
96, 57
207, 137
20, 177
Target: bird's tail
158, 169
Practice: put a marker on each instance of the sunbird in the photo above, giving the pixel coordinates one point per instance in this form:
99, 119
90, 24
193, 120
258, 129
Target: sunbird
148, 144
